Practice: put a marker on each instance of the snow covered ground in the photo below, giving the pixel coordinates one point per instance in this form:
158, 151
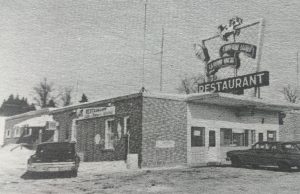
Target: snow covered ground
113, 177
2, 125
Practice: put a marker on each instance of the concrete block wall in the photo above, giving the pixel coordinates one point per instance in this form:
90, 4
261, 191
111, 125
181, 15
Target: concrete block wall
164, 120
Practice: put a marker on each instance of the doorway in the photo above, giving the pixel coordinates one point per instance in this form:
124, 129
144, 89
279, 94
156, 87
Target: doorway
213, 149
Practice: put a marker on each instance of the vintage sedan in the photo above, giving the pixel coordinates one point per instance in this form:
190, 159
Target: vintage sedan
54, 157
285, 155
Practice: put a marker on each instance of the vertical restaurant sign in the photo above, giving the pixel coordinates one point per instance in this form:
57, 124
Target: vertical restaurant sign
95, 112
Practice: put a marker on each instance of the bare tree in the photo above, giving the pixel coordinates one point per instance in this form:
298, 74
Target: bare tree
290, 94
43, 93
189, 85
66, 96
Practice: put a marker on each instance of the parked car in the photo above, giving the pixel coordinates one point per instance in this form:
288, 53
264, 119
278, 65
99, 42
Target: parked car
282, 154
54, 157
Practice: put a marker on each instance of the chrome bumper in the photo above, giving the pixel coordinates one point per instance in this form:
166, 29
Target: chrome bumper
51, 167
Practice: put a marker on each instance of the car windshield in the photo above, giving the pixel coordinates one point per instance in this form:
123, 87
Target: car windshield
291, 147
56, 150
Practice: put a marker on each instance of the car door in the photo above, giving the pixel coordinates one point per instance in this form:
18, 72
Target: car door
263, 154
249, 156
254, 153
272, 155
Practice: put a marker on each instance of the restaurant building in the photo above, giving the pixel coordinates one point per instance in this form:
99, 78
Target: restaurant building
169, 129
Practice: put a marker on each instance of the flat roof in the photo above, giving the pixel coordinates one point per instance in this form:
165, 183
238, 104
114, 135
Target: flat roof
31, 113
221, 99
232, 100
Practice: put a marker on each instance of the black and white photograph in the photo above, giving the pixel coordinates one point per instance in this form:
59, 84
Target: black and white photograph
149, 96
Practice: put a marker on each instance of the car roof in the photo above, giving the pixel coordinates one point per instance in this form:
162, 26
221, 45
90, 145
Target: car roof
51, 143
270, 142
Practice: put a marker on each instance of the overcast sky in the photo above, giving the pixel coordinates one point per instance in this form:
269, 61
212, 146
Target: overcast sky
99, 44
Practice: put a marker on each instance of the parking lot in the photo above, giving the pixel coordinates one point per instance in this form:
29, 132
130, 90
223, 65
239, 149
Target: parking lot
91, 179
113, 177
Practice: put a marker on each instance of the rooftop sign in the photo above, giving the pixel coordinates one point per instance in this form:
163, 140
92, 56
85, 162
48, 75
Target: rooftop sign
235, 83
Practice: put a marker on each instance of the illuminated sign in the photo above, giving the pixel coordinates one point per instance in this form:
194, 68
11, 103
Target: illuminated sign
237, 47
236, 83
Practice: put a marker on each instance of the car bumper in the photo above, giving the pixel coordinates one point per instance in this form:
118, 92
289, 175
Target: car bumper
51, 167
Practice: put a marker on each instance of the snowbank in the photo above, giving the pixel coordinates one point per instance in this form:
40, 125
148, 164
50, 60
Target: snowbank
13, 157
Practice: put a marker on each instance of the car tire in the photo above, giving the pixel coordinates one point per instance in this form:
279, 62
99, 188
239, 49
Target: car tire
284, 166
74, 173
254, 166
236, 162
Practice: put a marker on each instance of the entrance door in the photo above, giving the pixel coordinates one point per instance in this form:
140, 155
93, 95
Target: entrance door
260, 137
213, 149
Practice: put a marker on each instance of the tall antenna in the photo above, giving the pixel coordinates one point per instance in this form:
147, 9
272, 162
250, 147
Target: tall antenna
297, 70
144, 46
76, 96
161, 59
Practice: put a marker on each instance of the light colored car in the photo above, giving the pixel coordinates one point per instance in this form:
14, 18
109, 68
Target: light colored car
54, 157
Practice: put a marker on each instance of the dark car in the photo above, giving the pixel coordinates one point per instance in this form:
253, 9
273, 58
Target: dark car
282, 154
54, 157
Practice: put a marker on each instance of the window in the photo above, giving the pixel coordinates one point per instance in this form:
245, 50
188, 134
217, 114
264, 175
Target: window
271, 136
126, 125
238, 139
212, 139
290, 148
17, 132
230, 137
253, 137
109, 136
226, 137
27, 131
262, 146
8, 133
197, 136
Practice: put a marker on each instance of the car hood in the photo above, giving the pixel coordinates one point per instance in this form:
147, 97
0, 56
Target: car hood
233, 152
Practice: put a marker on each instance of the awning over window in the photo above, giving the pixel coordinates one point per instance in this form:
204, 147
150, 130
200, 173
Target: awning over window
231, 100
40, 121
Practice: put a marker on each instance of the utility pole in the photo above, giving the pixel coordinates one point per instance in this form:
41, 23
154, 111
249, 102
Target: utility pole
161, 59
144, 47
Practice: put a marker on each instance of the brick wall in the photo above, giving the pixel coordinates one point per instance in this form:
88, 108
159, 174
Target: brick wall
164, 120
87, 129
290, 130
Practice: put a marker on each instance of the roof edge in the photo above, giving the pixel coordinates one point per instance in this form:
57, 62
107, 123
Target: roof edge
105, 100
30, 113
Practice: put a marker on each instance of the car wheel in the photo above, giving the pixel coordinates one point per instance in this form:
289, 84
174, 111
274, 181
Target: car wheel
74, 173
284, 166
254, 166
236, 162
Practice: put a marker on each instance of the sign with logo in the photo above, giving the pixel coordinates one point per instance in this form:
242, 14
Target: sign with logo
236, 83
95, 112
215, 65
165, 144
237, 47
